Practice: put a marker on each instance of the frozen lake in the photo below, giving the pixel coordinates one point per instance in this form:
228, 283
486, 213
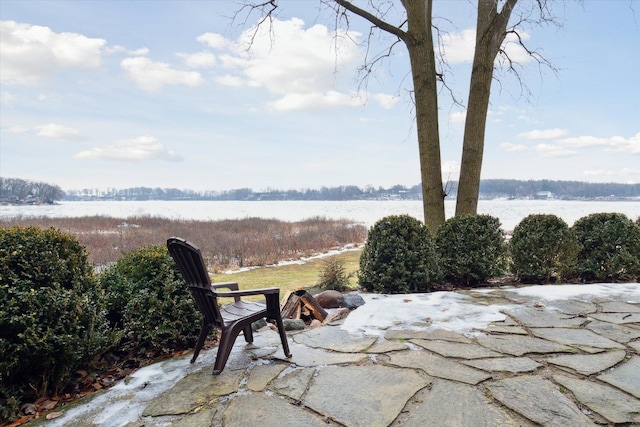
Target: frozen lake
510, 212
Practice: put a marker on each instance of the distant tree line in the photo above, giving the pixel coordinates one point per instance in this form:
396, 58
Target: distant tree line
22, 191
489, 189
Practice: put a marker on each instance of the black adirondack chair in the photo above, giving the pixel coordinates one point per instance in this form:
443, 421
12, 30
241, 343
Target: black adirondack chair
231, 319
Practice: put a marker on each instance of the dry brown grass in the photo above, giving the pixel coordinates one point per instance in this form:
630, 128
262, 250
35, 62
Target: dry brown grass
225, 244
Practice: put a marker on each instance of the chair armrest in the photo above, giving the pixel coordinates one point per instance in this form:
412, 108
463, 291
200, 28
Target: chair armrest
248, 292
229, 285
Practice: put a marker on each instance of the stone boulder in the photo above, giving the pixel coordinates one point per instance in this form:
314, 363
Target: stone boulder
329, 299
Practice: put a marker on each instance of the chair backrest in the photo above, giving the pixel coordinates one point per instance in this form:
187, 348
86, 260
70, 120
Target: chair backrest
190, 263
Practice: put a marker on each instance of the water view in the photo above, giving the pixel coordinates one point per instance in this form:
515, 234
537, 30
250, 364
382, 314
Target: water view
510, 212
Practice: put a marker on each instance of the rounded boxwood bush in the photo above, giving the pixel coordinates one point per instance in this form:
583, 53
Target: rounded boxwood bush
610, 247
51, 312
543, 248
149, 302
398, 257
471, 249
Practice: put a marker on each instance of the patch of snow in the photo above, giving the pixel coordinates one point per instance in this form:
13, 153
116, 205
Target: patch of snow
580, 292
437, 310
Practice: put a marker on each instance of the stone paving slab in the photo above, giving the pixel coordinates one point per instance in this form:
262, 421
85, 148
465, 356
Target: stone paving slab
457, 350
612, 404
505, 364
451, 404
625, 376
619, 333
438, 366
539, 400
367, 396
618, 318
335, 339
258, 410
516, 345
589, 364
539, 318
575, 337
433, 334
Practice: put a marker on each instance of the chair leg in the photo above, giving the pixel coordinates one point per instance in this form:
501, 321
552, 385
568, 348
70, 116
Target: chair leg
227, 340
248, 334
283, 336
204, 331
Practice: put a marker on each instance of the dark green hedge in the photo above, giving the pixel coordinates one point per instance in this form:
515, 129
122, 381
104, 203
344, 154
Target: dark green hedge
51, 312
398, 257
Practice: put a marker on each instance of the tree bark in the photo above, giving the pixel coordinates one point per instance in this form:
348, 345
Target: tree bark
419, 41
490, 33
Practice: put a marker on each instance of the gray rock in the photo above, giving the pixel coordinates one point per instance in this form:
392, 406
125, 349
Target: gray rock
293, 324
352, 300
625, 376
538, 400
614, 405
589, 364
368, 396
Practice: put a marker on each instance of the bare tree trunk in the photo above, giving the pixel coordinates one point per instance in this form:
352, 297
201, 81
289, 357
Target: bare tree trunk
419, 43
490, 33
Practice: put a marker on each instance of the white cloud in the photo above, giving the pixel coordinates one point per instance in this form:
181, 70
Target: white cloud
30, 53
198, 60
458, 47
512, 148
18, 129
543, 134
122, 49
295, 63
152, 76
214, 41
6, 98
52, 130
552, 150
142, 148
610, 144
599, 172
458, 117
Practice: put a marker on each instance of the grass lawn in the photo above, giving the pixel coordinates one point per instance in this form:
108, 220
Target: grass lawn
290, 277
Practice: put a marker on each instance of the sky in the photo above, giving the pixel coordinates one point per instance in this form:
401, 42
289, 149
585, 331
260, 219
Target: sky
179, 94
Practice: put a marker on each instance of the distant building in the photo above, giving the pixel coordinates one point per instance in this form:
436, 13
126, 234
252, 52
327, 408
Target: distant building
543, 195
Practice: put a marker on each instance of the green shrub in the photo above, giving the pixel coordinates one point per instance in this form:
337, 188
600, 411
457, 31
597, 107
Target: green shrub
333, 275
398, 257
543, 248
51, 312
471, 249
149, 302
610, 247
